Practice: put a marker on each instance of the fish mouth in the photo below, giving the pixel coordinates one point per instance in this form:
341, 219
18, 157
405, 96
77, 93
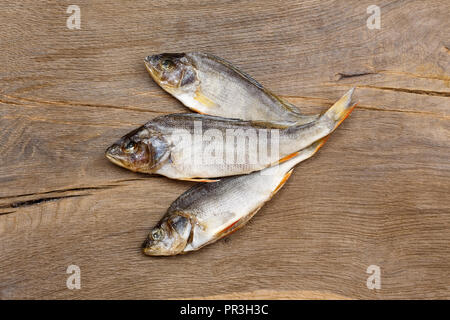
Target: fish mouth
145, 247
151, 70
148, 251
114, 160
153, 253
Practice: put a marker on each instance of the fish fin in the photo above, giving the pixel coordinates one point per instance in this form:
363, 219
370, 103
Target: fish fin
227, 228
341, 109
199, 180
234, 68
203, 100
286, 104
290, 156
346, 115
236, 225
239, 223
293, 159
289, 106
283, 181
319, 144
195, 110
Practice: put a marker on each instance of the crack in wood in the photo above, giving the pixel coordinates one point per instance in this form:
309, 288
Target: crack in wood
412, 75
121, 125
366, 107
7, 212
342, 75
405, 90
362, 107
137, 179
32, 202
413, 91
72, 103
104, 187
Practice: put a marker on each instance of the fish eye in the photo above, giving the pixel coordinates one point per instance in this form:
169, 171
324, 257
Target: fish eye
130, 147
157, 234
166, 64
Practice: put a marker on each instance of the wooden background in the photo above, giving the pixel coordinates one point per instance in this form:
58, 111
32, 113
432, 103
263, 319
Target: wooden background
376, 194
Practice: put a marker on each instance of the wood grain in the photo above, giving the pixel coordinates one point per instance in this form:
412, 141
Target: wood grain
376, 194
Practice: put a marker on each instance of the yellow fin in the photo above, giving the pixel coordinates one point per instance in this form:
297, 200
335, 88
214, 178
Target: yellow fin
205, 101
289, 156
200, 180
193, 109
283, 181
320, 143
227, 228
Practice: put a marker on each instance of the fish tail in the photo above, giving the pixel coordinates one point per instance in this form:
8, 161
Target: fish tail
340, 110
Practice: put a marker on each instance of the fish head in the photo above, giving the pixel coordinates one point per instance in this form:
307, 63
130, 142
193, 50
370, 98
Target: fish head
174, 72
169, 237
141, 150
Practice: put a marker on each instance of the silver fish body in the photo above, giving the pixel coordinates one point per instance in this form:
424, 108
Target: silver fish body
210, 211
211, 85
172, 146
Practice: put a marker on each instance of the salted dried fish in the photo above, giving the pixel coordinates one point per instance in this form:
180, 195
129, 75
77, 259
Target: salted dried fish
173, 145
210, 85
210, 211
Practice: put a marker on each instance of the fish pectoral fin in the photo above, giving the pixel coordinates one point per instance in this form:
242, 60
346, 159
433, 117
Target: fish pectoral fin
196, 110
239, 223
228, 229
199, 180
203, 100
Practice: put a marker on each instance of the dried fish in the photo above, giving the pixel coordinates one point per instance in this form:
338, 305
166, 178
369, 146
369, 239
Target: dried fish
210, 211
198, 147
210, 85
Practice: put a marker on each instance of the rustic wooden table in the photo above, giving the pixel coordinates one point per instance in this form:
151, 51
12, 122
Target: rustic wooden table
376, 194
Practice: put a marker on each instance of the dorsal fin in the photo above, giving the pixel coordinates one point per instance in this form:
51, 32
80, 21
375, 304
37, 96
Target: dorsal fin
289, 106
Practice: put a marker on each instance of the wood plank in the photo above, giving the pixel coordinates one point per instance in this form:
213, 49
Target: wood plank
376, 194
